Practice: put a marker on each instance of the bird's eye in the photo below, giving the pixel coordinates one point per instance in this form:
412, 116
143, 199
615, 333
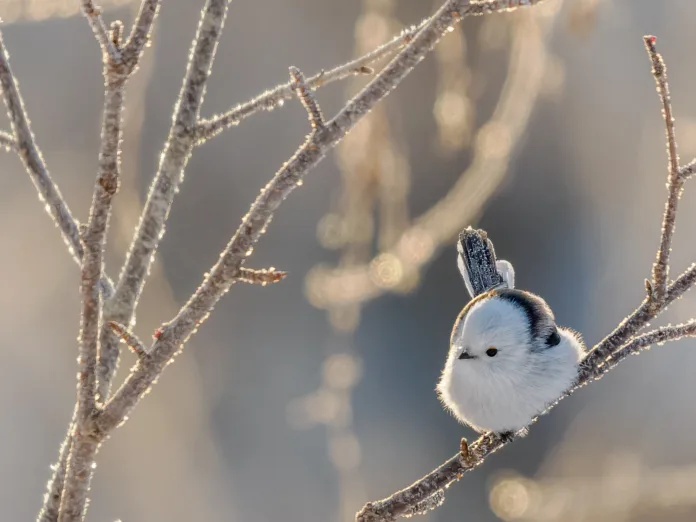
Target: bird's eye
553, 339
491, 351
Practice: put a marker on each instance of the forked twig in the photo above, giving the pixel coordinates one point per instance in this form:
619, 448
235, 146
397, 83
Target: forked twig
223, 274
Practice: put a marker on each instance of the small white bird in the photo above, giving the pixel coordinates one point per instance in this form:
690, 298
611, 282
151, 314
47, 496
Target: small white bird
508, 360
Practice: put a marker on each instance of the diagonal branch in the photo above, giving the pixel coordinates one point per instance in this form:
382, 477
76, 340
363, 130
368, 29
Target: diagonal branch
402, 502
223, 274
34, 164
269, 100
675, 182
174, 158
637, 344
132, 340
640, 317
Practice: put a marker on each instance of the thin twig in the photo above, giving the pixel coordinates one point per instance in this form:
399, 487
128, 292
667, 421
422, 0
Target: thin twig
637, 344
688, 170
269, 100
96, 22
675, 181
223, 274
640, 317
261, 277
7, 141
132, 340
176, 154
36, 167
316, 119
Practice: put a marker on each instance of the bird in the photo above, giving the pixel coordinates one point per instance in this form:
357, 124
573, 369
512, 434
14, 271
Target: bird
508, 360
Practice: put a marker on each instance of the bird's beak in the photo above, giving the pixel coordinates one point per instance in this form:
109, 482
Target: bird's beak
466, 355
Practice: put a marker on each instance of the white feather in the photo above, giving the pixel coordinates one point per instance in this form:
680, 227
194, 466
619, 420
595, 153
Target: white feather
504, 392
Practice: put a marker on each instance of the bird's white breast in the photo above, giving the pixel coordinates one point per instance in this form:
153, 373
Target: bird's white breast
491, 400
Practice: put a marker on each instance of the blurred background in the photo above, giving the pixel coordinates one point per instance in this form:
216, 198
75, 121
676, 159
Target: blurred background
303, 400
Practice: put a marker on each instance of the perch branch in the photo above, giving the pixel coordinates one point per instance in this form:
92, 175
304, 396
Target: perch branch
402, 503
613, 349
221, 276
269, 100
173, 161
675, 181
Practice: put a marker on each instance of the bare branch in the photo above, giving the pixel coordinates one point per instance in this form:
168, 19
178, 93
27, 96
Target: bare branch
173, 161
223, 274
34, 164
675, 181
141, 32
316, 119
93, 15
261, 277
135, 344
273, 98
661, 335
640, 317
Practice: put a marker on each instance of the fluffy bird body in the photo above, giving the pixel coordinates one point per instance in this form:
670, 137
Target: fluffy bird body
508, 360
